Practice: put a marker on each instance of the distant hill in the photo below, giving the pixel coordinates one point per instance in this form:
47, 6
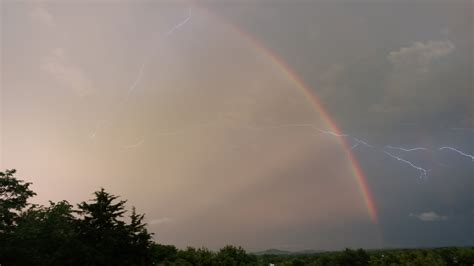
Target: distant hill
272, 252
286, 252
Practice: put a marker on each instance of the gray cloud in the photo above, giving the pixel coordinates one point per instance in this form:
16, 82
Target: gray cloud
417, 87
420, 55
430, 216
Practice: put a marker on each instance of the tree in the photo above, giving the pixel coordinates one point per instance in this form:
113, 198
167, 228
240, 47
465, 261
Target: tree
14, 195
140, 240
298, 262
43, 236
102, 233
102, 213
164, 253
230, 255
193, 256
353, 257
105, 237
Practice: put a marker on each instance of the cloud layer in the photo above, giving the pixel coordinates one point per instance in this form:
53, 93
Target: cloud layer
429, 216
420, 55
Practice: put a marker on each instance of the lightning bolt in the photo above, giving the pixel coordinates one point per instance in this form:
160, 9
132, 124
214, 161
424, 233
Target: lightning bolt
408, 150
358, 141
137, 79
139, 76
331, 133
458, 151
355, 145
132, 146
423, 172
179, 25
168, 33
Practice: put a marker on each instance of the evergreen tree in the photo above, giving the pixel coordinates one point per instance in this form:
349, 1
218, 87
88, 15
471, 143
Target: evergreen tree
140, 240
101, 231
107, 239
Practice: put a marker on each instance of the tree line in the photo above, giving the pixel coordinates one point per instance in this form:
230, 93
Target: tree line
102, 231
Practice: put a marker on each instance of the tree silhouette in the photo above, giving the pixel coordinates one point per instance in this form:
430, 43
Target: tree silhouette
106, 238
44, 236
14, 194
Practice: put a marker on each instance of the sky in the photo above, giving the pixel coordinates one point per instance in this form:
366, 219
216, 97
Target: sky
266, 124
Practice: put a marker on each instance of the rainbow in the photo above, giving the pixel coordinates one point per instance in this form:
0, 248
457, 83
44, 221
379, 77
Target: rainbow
315, 102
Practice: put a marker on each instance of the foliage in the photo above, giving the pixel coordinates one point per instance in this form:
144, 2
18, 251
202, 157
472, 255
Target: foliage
435, 256
95, 233
14, 195
164, 254
230, 255
43, 236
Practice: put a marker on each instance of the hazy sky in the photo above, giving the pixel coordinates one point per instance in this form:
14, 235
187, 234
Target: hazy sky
174, 107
